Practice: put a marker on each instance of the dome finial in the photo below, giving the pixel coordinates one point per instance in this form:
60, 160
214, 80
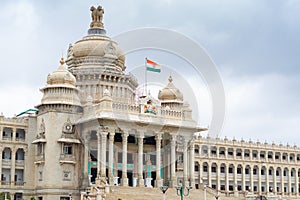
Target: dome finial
62, 61
170, 79
97, 16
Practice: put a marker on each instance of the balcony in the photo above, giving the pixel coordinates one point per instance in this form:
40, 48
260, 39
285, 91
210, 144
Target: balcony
6, 162
6, 138
5, 182
19, 163
39, 159
20, 139
19, 183
67, 158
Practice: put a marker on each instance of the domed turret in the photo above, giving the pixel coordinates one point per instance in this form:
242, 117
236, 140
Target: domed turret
61, 76
170, 93
60, 88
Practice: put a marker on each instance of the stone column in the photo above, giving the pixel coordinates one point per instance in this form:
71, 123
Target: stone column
14, 132
1, 149
86, 158
1, 132
173, 160
259, 179
251, 178
192, 164
99, 154
140, 161
275, 180
282, 181
13, 166
159, 180
103, 153
227, 178
124, 180
296, 183
243, 178
209, 174
267, 179
289, 182
185, 164
111, 158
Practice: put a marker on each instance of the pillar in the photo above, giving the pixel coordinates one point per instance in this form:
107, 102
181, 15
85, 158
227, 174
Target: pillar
103, 153
275, 180
111, 158
124, 180
159, 180
13, 166
173, 160
289, 182
98, 154
259, 179
1, 149
296, 182
192, 164
251, 178
86, 159
14, 133
227, 178
185, 164
140, 161
282, 182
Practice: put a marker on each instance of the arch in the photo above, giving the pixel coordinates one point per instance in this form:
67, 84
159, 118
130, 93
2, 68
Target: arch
270, 155
6, 153
292, 157
20, 154
214, 168
293, 172
196, 166
284, 156
196, 149
278, 171
263, 171
254, 154
205, 167
255, 170
231, 169
213, 151
223, 168
239, 169
247, 153
286, 172
277, 156
262, 154
247, 170
204, 150
222, 151
238, 153
230, 152
271, 171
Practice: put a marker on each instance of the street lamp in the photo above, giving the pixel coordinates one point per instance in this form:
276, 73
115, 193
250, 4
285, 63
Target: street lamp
70, 196
217, 196
180, 191
164, 190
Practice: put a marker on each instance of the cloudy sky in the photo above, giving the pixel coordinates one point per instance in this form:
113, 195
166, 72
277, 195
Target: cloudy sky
253, 43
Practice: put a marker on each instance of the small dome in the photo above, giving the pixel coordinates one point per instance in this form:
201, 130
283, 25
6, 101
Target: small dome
170, 92
61, 76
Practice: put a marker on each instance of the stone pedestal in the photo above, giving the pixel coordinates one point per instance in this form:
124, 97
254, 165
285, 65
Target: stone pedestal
124, 182
134, 182
141, 182
116, 181
148, 182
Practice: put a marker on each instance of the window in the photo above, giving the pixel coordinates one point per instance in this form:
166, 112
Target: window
205, 168
40, 149
239, 170
213, 169
230, 170
247, 171
270, 172
67, 149
196, 168
222, 169
254, 171
262, 172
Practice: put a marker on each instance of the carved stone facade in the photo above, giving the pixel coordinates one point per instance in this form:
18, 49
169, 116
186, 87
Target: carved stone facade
91, 132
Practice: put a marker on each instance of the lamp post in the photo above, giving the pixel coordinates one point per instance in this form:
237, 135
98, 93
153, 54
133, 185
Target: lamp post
217, 196
70, 196
180, 191
204, 192
164, 190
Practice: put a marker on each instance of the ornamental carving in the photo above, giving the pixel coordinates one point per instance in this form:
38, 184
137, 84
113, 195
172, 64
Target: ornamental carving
97, 17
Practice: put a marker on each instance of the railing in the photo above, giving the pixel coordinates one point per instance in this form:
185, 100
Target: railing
19, 183
20, 139
6, 161
67, 157
7, 138
5, 182
40, 157
19, 162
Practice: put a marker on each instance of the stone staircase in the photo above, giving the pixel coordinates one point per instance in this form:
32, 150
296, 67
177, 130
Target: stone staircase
142, 193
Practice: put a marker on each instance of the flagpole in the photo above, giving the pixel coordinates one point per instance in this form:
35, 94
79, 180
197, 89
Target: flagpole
145, 77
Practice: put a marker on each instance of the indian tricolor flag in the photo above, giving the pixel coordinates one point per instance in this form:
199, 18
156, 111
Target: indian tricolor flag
152, 66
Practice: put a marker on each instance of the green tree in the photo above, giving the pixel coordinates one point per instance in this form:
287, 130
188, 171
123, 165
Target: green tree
2, 195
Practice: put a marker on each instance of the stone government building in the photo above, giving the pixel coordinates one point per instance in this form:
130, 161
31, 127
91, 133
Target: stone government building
90, 132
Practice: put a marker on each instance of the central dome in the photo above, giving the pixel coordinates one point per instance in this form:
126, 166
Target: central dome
96, 49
